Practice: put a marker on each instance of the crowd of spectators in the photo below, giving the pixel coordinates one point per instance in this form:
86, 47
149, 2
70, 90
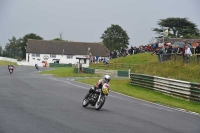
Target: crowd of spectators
156, 48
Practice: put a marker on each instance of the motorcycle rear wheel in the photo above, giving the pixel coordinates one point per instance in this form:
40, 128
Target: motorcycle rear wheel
100, 103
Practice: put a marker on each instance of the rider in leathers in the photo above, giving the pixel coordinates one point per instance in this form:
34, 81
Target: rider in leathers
99, 85
10, 65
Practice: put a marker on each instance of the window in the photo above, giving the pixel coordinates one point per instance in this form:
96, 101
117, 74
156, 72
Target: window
33, 55
69, 56
56, 60
37, 55
52, 55
82, 61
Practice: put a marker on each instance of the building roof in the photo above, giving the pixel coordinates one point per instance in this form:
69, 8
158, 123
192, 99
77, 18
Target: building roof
66, 48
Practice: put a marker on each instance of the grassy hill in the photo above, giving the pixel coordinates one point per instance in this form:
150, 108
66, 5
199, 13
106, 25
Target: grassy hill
142, 58
145, 63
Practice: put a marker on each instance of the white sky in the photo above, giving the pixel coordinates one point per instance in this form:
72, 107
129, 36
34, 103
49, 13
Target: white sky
86, 20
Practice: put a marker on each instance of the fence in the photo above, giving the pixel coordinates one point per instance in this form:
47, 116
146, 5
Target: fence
112, 73
75, 70
123, 73
173, 87
59, 65
88, 70
113, 65
195, 58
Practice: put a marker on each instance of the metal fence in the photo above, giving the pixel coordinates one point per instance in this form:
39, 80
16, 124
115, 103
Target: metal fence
59, 65
183, 89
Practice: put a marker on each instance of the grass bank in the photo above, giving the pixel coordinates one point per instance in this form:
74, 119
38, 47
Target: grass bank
170, 69
145, 63
67, 72
6, 63
123, 86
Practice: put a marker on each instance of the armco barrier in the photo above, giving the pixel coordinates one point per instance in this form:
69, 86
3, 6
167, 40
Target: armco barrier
88, 70
123, 73
177, 88
59, 65
195, 91
112, 73
75, 70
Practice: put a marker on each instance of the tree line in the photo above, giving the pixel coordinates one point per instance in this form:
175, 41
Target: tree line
114, 37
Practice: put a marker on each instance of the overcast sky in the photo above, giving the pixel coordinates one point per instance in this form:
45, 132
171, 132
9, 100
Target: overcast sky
86, 20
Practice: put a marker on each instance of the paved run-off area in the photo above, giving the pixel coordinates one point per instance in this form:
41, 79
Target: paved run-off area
34, 103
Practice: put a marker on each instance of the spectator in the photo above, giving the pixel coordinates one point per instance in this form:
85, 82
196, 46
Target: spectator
178, 50
197, 50
167, 49
187, 53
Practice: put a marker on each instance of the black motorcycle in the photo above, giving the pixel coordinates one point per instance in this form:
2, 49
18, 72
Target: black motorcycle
36, 66
97, 98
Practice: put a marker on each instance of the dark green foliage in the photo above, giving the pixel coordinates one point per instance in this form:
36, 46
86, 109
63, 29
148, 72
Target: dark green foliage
115, 37
177, 27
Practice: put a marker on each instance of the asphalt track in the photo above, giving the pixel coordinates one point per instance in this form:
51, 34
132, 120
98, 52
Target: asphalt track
34, 103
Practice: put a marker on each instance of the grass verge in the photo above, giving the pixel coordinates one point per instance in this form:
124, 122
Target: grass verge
67, 72
123, 86
170, 69
6, 63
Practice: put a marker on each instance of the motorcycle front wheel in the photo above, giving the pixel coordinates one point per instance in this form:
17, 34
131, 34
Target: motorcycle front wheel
85, 102
100, 103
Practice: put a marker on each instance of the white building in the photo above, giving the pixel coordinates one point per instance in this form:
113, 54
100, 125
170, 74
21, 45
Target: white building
63, 52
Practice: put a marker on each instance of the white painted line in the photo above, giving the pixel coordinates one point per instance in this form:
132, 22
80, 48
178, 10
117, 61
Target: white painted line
178, 109
110, 95
157, 107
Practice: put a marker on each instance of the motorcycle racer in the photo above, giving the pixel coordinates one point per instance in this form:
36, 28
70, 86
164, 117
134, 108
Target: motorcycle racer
10, 65
99, 85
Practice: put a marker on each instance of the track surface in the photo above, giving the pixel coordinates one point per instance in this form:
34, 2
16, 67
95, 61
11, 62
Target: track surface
34, 103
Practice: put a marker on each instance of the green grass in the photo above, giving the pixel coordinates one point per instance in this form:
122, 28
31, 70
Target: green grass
6, 63
142, 58
123, 86
67, 72
170, 69
127, 61
145, 63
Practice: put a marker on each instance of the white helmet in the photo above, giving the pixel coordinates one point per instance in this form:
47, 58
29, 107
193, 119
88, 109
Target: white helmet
107, 78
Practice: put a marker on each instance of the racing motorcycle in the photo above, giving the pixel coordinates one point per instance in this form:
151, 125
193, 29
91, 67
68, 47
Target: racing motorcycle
36, 66
97, 98
11, 69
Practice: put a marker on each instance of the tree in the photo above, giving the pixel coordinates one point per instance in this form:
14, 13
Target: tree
13, 47
57, 39
189, 36
177, 27
23, 44
115, 37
